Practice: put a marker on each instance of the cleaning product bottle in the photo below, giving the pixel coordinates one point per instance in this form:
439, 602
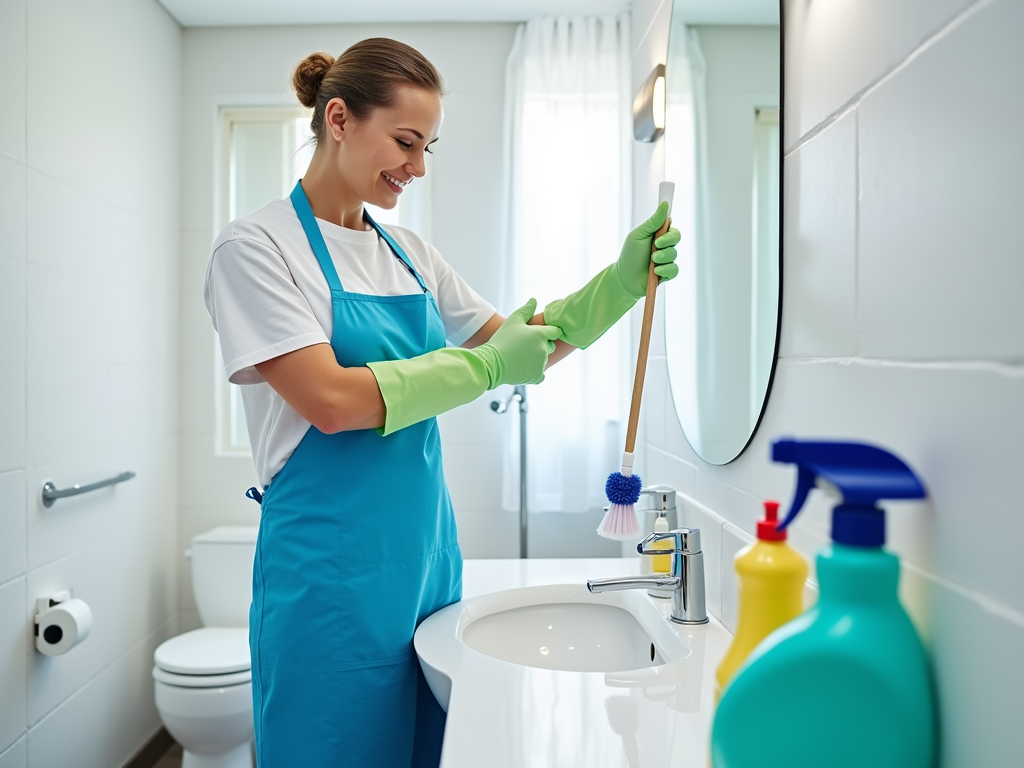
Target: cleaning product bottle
849, 678
771, 577
661, 563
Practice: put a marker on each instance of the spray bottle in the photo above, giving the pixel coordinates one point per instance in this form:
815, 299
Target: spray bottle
849, 678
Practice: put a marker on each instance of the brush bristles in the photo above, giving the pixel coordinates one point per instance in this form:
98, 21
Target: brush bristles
620, 524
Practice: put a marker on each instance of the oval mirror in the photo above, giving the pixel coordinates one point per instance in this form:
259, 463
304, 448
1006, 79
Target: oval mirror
722, 149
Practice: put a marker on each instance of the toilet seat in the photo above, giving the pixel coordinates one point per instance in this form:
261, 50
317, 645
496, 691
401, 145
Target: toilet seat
207, 653
201, 681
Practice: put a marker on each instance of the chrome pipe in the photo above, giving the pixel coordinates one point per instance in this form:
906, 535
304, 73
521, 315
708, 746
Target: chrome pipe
500, 406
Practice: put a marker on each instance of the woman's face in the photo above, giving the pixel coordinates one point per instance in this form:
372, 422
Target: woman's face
383, 152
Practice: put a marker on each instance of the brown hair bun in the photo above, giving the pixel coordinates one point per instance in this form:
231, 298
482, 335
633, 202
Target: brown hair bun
366, 77
309, 75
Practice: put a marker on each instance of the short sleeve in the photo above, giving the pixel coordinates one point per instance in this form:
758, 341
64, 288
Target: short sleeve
463, 310
257, 309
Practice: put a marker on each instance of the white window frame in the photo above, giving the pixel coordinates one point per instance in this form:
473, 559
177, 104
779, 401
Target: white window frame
226, 395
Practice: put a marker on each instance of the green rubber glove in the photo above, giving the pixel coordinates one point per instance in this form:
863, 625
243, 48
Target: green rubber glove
424, 386
585, 315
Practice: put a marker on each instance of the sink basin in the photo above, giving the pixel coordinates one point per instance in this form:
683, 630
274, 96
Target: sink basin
575, 637
559, 627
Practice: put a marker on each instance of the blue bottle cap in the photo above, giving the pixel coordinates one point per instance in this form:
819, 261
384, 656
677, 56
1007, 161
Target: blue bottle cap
864, 474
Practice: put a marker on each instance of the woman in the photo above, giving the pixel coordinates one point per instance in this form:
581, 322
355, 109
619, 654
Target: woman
340, 328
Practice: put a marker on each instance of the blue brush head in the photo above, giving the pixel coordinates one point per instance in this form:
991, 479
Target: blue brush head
622, 489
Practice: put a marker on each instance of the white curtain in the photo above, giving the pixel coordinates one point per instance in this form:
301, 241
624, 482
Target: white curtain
568, 163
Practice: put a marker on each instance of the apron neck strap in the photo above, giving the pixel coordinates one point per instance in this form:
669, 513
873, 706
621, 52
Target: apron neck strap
395, 248
316, 239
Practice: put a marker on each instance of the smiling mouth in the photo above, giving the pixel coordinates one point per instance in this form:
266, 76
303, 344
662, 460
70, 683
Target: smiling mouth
395, 183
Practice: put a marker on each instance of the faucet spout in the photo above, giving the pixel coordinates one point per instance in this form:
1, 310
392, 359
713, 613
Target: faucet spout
685, 581
616, 583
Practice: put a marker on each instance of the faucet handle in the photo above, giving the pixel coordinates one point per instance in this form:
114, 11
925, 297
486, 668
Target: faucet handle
686, 541
665, 496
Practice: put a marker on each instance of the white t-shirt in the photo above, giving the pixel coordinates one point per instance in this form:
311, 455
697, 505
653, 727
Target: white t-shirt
268, 296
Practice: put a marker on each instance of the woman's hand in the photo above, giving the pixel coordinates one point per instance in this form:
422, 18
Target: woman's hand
518, 351
635, 257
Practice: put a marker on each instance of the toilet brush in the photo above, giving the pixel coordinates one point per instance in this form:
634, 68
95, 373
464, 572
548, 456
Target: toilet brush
623, 488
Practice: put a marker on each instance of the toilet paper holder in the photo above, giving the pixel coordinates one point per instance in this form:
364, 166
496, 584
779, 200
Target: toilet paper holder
61, 623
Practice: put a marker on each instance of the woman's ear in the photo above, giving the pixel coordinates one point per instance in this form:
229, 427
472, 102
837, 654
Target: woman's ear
336, 118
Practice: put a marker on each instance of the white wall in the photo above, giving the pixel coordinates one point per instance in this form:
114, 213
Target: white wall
253, 65
89, 147
902, 321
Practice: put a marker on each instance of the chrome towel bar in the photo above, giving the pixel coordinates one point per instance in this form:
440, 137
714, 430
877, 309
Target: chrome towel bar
51, 493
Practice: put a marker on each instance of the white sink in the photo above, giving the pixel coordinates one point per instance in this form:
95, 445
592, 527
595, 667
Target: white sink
561, 627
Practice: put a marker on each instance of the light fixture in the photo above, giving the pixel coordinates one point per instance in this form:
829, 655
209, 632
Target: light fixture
649, 107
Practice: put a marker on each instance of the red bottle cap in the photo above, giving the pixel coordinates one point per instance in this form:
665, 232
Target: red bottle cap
766, 528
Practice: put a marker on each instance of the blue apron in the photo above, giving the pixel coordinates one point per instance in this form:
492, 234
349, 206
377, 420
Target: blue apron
337, 595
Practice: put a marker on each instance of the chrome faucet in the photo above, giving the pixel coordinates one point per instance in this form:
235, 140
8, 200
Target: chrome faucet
686, 578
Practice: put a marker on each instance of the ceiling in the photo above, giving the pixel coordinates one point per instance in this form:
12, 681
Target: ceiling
223, 13
217, 13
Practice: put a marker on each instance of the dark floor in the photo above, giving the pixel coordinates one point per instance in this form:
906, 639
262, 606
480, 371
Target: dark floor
171, 759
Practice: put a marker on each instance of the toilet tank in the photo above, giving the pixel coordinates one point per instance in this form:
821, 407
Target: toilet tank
222, 574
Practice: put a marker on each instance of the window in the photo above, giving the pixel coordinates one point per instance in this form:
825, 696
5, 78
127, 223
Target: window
264, 151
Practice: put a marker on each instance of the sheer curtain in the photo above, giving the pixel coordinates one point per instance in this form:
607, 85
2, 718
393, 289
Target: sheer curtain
568, 159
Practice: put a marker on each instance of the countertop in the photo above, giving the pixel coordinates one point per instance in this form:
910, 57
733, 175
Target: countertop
502, 715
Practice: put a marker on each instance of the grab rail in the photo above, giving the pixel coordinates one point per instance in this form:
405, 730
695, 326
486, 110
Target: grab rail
51, 492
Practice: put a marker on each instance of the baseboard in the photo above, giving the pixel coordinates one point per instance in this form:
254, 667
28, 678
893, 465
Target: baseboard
152, 750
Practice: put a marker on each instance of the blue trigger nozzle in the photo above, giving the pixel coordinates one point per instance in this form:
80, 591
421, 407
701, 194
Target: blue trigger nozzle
863, 474
805, 482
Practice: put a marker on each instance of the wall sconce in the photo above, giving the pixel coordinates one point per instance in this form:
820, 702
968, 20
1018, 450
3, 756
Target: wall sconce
649, 107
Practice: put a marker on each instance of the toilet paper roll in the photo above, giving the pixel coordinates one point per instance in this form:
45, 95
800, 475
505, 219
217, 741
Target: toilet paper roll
63, 627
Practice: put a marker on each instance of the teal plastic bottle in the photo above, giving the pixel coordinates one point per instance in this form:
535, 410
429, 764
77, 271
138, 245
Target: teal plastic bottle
847, 684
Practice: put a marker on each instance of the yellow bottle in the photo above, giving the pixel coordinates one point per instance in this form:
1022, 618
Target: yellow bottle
771, 580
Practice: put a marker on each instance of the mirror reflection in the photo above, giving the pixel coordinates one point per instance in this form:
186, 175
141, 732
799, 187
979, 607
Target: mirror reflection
722, 148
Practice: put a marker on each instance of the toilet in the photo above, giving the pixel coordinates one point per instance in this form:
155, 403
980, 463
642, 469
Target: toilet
202, 677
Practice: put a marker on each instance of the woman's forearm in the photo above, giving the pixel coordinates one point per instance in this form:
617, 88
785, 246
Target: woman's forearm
328, 396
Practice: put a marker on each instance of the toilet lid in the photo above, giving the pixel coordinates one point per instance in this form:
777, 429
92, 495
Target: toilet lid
206, 651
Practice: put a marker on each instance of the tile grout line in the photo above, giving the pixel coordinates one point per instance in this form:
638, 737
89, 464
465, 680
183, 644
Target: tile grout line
1009, 370
986, 603
859, 95
856, 230
25, 491
647, 32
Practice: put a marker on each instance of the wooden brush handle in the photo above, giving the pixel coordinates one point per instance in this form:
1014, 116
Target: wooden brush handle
645, 344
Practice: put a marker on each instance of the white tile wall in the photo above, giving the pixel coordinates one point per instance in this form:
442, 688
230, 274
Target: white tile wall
94, 710
955, 246
12, 522
89, 146
13, 63
901, 322
819, 289
16, 755
13, 653
846, 46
